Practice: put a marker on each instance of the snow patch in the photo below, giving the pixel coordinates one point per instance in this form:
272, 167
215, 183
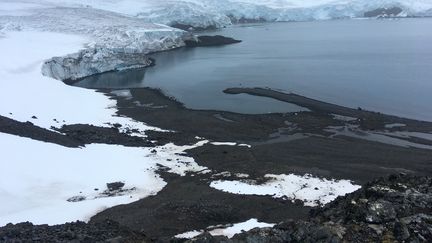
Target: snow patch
311, 190
230, 144
37, 185
228, 231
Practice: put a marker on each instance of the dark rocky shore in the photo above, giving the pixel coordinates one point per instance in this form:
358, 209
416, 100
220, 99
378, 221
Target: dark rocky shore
328, 141
280, 144
206, 40
393, 209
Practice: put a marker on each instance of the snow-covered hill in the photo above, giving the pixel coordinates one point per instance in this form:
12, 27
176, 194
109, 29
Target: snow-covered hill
217, 13
224, 12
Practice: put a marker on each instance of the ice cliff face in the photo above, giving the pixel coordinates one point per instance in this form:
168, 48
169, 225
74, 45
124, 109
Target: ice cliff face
115, 41
219, 13
92, 61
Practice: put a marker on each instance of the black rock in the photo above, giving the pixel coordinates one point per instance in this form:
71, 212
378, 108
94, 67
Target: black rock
393, 209
188, 27
76, 199
115, 186
383, 12
206, 40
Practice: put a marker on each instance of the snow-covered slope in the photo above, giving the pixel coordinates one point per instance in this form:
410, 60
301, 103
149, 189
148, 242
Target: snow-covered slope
217, 13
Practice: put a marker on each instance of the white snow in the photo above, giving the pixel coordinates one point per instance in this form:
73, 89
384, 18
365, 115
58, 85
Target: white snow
27, 92
229, 231
38, 178
313, 191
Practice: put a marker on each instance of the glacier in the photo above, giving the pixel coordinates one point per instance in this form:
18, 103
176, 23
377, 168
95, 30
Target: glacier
114, 41
220, 13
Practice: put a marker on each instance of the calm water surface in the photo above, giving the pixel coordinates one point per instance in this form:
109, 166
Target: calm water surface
380, 65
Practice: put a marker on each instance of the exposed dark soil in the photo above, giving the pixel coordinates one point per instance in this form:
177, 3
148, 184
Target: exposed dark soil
368, 120
29, 130
392, 209
180, 206
317, 153
188, 203
107, 231
107, 135
73, 136
192, 123
280, 143
340, 158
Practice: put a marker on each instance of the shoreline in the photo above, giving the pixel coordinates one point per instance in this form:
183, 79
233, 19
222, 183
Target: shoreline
316, 152
152, 154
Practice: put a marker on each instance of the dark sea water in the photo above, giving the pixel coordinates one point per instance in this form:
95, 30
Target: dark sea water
380, 65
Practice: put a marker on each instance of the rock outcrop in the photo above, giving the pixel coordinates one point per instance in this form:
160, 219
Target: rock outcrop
394, 209
383, 12
207, 40
71, 232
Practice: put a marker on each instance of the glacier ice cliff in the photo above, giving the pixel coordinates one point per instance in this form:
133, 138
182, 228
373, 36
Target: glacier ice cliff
219, 13
115, 41
92, 61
